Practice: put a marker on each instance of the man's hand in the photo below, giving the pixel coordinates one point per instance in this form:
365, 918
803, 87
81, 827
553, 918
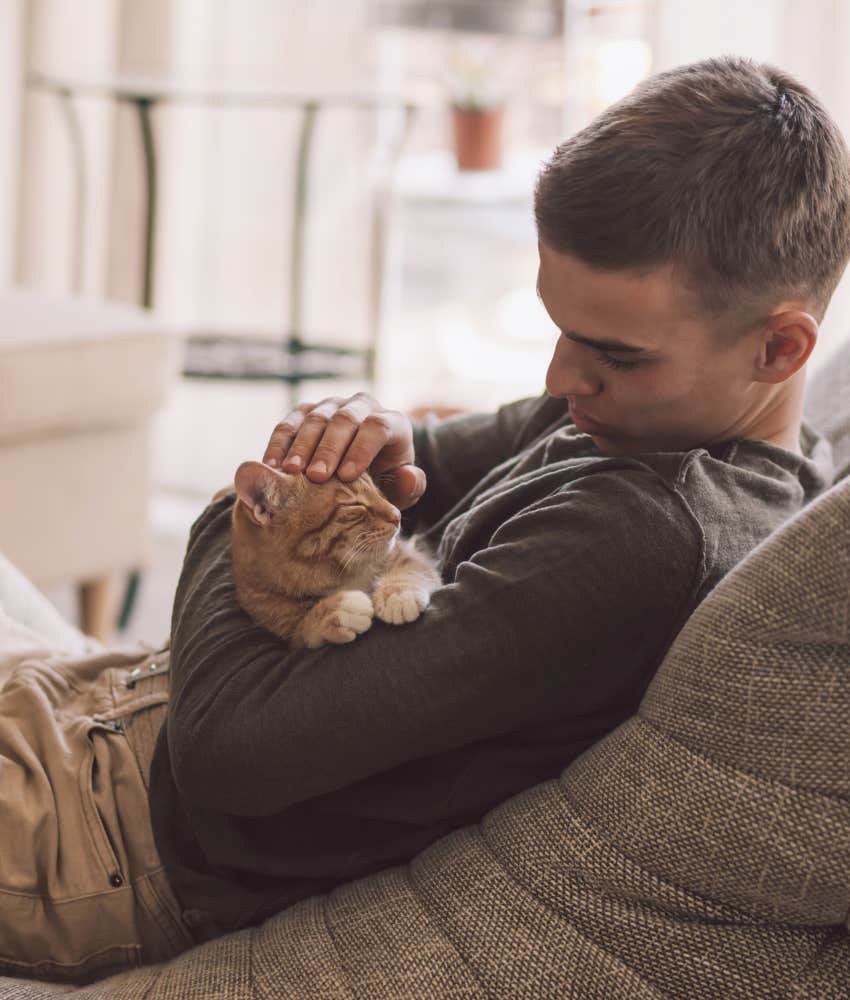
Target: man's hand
349, 437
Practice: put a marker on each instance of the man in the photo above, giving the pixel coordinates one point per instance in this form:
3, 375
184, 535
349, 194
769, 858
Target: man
690, 240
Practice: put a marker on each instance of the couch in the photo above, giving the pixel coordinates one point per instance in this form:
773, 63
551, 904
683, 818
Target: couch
701, 850
80, 382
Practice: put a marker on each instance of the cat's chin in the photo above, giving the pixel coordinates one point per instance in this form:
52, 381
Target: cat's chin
364, 564
376, 553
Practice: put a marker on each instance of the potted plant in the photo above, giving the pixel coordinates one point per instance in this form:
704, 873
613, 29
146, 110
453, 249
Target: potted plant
478, 112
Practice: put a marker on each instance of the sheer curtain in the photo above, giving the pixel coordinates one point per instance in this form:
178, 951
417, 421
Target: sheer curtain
12, 24
224, 175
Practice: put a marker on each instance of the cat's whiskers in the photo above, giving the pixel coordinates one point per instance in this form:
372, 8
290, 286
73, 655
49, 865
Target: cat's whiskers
367, 539
359, 545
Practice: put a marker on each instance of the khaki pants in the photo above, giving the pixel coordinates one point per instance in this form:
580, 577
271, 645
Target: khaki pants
83, 893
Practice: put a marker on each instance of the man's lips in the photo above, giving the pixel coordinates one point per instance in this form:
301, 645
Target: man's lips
582, 418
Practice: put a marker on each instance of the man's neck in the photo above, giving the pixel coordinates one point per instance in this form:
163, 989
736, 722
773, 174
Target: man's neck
778, 419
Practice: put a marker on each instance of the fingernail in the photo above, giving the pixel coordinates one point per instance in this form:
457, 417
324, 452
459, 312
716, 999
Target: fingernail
295, 462
272, 462
347, 470
319, 468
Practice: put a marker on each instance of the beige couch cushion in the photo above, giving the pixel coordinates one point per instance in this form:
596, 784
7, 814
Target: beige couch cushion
79, 383
77, 364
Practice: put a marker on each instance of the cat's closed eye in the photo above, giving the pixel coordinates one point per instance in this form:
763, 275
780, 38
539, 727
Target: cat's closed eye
353, 509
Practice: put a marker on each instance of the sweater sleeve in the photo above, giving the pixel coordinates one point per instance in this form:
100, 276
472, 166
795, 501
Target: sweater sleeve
569, 607
458, 452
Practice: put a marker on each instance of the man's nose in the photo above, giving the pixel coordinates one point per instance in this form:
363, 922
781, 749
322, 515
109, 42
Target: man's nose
571, 371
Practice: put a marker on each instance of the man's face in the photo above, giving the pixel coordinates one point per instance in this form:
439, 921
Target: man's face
639, 366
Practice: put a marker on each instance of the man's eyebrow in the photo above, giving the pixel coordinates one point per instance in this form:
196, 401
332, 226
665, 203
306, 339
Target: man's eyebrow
605, 345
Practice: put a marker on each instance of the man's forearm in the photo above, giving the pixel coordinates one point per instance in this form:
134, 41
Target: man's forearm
521, 633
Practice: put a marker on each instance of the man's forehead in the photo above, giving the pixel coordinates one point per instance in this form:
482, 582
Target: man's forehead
637, 310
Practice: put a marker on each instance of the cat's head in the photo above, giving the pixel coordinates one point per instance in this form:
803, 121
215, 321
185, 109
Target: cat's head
335, 525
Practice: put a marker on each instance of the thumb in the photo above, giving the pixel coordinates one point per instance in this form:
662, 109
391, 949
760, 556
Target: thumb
403, 485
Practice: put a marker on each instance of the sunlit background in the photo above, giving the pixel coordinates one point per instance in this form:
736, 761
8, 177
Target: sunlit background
334, 186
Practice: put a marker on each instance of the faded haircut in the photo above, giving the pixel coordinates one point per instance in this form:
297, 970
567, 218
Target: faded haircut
727, 171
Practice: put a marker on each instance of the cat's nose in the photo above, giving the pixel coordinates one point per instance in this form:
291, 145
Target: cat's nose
394, 517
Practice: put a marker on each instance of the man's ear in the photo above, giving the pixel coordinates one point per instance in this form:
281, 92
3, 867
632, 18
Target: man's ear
262, 490
786, 343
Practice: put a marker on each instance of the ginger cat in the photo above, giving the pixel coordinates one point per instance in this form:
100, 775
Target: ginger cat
314, 562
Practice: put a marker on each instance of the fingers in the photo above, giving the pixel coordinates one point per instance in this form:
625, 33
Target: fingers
284, 434
324, 432
347, 437
326, 429
372, 436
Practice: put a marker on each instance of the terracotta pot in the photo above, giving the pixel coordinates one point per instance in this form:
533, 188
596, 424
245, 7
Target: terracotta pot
478, 137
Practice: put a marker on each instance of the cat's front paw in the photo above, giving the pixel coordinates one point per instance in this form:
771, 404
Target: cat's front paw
341, 618
397, 604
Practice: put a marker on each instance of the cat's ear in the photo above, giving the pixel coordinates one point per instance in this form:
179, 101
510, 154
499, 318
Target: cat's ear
263, 490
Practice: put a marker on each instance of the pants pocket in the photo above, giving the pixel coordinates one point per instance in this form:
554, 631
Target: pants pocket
67, 906
66, 910
52, 761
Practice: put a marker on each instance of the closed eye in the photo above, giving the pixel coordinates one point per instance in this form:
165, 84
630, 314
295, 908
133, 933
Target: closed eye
610, 362
354, 508
601, 355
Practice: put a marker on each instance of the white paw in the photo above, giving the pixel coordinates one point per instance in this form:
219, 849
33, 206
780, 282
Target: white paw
347, 615
397, 605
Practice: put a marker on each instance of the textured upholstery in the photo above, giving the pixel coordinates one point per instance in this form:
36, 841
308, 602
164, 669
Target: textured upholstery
702, 850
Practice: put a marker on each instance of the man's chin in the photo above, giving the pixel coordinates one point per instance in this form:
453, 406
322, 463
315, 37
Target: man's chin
608, 445
616, 446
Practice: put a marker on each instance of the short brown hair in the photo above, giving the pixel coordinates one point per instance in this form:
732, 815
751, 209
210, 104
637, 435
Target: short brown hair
729, 171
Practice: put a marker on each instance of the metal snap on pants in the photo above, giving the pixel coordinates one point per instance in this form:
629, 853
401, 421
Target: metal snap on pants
83, 893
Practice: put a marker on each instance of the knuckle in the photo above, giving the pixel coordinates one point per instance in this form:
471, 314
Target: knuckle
315, 419
346, 418
286, 426
379, 421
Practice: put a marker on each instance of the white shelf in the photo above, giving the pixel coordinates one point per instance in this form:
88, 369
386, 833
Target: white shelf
434, 177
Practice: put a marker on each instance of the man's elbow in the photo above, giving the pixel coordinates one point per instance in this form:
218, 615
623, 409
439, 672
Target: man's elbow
195, 765
221, 778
